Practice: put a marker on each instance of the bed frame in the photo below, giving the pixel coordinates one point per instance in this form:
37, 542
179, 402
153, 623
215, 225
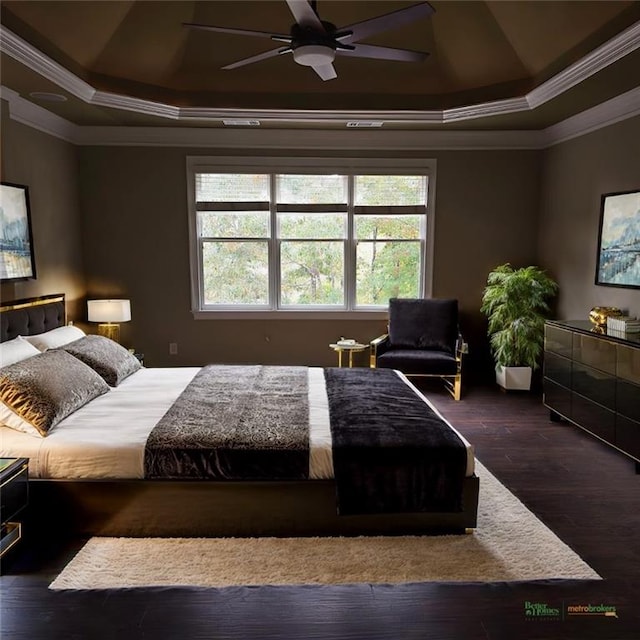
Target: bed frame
201, 508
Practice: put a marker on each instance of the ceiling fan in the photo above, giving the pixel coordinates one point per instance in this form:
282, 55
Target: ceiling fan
315, 42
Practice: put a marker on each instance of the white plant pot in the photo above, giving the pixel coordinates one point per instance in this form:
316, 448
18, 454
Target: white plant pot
514, 378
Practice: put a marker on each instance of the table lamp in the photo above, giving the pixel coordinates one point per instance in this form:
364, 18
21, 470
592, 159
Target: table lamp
109, 313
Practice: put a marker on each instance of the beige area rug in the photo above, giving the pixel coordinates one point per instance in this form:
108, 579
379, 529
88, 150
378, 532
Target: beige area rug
510, 543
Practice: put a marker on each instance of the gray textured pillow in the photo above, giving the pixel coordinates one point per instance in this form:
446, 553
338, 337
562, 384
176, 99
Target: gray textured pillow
106, 357
46, 388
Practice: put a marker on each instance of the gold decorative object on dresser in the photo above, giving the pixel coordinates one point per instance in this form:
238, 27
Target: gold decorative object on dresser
592, 379
598, 315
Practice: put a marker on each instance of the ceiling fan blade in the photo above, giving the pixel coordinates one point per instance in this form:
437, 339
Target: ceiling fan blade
325, 71
383, 53
304, 14
388, 21
238, 32
261, 56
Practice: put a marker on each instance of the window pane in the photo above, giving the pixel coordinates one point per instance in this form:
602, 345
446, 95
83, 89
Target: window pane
236, 224
312, 225
235, 272
390, 190
303, 189
387, 227
232, 187
387, 270
312, 273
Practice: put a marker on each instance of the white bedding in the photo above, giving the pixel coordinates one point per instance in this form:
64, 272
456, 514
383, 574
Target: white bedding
106, 438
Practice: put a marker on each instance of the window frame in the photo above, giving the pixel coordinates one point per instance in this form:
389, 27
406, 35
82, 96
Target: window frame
306, 165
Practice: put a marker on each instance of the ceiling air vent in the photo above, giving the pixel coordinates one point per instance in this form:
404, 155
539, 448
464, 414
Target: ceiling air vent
241, 123
365, 124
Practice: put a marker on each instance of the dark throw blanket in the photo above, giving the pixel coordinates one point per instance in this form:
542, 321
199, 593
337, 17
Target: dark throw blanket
235, 423
391, 452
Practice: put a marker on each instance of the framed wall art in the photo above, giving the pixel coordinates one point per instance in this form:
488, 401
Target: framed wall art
17, 261
618, 260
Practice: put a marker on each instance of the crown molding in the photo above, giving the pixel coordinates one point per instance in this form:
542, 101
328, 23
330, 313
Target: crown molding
620, 108
616, 48
137, 105
36, 117
485, 109
29, 56
310, 139
619, 46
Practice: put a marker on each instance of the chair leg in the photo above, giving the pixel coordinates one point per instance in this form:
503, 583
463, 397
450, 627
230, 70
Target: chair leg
454, 386
457, 387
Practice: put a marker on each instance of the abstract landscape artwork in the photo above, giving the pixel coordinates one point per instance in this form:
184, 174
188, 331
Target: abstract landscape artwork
16, 241
618, 262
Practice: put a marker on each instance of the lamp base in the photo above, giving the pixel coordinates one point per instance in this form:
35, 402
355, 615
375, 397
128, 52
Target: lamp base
110, 330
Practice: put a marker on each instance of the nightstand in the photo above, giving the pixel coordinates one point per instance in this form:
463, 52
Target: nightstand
14, 496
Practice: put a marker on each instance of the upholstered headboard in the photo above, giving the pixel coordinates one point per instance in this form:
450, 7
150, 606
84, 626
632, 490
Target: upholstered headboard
31, 316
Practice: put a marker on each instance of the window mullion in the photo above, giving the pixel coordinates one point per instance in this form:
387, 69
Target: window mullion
350, 249
274, 245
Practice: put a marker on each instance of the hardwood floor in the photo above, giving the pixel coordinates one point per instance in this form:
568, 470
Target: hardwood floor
586, 492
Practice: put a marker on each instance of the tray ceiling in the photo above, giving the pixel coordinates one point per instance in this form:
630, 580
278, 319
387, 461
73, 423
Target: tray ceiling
501, 65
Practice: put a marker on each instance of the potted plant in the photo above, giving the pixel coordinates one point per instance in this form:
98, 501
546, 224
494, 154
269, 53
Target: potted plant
516, 304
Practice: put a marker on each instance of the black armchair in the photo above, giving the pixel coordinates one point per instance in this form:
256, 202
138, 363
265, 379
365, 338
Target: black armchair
424, 340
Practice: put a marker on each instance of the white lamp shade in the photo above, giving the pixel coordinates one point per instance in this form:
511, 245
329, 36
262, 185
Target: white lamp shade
109, 310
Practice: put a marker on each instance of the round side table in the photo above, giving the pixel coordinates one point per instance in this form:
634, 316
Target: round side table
356, 347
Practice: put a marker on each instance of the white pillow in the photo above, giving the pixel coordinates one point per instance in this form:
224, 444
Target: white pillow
56, 337
16, 350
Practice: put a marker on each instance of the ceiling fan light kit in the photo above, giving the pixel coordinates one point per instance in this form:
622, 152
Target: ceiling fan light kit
313, 55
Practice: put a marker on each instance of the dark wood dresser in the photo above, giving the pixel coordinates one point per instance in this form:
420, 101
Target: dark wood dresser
593, 380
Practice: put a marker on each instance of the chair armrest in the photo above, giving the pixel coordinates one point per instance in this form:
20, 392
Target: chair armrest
379, 340
377, 347
462, 347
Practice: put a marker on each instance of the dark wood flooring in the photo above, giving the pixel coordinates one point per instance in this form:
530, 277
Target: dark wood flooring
587, 493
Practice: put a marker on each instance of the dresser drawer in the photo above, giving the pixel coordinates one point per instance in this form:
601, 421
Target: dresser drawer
594, 418
628, 399
557, 398
628, 363
628, 436
557, 369
594, 384
558, 340
595, 352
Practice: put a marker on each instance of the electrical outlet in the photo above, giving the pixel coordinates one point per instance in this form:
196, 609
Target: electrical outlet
173, 348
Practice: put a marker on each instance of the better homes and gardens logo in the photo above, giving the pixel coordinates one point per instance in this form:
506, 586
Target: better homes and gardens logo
541, 610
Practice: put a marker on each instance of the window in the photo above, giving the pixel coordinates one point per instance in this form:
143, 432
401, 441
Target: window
305, 239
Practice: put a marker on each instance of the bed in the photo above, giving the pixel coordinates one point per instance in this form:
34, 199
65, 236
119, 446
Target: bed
123, 463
